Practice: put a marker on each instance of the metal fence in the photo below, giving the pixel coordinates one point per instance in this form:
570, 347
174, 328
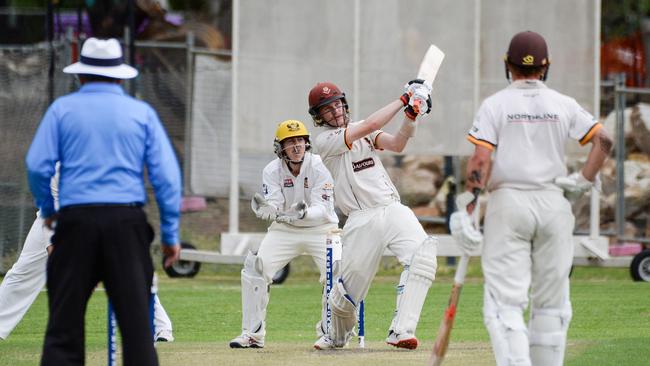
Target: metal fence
172, 79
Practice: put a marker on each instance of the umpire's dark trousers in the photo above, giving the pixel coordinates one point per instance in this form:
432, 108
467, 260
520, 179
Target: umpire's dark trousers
92, 243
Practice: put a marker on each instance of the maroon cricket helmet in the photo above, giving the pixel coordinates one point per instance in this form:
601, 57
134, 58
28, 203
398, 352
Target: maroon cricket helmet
322, 94
528, 49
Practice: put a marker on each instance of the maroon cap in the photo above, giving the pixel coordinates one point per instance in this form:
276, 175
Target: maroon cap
527, 49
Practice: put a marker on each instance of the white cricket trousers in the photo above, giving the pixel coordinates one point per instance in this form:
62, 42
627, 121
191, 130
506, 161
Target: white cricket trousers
528, 244
282, 243
26, 279
366, 235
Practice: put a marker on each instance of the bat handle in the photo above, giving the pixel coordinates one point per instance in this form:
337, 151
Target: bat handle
461, 269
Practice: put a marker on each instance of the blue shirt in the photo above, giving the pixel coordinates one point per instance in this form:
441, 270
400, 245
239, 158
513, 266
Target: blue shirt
104, 139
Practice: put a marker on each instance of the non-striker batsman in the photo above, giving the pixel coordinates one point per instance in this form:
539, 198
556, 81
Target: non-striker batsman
519, 135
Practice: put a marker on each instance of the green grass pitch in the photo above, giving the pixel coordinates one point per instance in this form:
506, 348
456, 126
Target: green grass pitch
610, 326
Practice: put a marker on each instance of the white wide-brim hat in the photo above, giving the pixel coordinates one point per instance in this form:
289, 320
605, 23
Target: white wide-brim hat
102, 57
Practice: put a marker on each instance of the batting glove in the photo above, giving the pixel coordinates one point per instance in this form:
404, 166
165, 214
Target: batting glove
421, 99
416, 98
468, 237
408, 90
575, 185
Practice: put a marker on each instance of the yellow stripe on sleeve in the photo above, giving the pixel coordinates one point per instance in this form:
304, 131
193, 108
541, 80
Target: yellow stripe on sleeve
592, 131
483, 143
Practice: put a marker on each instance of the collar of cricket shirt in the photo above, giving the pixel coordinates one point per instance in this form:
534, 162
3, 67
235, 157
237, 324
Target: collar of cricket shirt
527, 84
104, 87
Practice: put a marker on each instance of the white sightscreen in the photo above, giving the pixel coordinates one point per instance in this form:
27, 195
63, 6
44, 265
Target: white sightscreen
287, 46
371, 48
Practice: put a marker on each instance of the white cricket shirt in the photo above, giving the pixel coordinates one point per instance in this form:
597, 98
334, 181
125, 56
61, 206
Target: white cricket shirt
527, 125
361, 181
314, 185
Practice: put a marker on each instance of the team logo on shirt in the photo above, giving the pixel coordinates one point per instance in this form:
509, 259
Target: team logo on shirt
363, 164
325, 197
306, 185
288, 182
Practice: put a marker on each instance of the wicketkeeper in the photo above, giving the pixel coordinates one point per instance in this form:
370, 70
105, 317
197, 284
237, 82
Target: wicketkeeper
519, 135
297, 198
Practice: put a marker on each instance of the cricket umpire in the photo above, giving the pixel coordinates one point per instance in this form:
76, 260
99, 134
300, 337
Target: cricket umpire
104, 140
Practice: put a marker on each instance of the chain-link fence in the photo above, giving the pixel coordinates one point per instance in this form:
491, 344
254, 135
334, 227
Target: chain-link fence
172, 77
27, 87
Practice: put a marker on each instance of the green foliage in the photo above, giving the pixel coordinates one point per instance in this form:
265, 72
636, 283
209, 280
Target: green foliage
620, 18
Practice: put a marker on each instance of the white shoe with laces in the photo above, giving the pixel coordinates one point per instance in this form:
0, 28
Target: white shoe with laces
247, 341
324, 343
406, 340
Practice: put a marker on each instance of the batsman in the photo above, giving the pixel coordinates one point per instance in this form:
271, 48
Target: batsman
376, 218
297, 198
519, 135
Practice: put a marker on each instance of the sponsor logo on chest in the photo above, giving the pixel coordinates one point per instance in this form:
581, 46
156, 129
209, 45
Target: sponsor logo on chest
288, 182
363, 164
532, 118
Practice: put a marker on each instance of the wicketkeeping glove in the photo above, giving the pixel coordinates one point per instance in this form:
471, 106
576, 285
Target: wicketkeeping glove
461, 226
297, 211
575, 185
262, 208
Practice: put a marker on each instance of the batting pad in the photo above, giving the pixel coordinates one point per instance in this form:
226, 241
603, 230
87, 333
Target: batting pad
344, 315
421, 274
548, 330
507, 330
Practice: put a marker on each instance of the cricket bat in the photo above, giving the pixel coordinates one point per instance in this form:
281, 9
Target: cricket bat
429, 69
444, 332
447, 324
431, 64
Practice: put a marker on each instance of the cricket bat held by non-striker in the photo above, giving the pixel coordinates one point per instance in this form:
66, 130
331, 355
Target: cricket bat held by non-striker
447, 324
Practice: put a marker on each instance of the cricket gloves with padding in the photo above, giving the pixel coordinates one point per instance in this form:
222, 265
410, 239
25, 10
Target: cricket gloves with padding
297, 211
263, 210
575, 185
416, 98
461, 225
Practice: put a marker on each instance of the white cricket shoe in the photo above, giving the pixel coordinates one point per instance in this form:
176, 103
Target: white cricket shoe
406, 340
245, 340
163, 335
324, 343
